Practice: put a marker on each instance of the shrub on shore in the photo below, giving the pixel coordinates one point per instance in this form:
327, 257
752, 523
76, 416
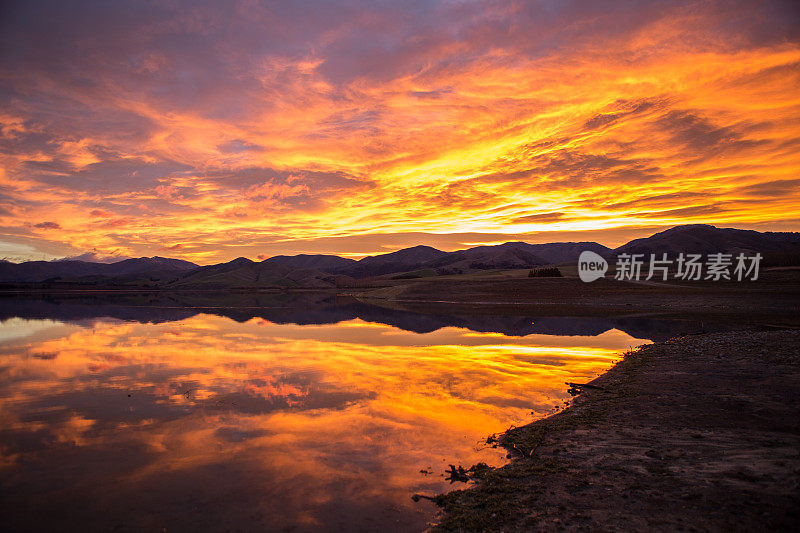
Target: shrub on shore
547, 272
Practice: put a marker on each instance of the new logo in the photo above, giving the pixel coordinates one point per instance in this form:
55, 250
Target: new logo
591, 266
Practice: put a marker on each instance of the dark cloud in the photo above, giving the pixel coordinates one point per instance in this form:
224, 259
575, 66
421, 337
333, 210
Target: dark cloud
190, 54
598, 121
692, 211
109, 176
539, 217
303, 190
655, 199
238, 146
47, 225
115, 223
569, 168
775, 188
691, 129
432, 95
353, 120
619, 111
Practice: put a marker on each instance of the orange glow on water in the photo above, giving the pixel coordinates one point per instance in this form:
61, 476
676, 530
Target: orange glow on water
303, 415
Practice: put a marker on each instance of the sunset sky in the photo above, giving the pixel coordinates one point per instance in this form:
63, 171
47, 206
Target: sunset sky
207, 131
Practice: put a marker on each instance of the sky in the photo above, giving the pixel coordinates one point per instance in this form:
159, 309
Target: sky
211, 130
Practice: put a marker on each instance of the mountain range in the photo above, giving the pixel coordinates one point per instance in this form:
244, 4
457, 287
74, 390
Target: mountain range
158, 268
705, 239
328, 271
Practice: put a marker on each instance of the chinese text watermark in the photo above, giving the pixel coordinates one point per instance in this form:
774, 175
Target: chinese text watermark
687, 267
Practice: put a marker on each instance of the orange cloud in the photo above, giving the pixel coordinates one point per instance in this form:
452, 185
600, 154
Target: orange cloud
497, 121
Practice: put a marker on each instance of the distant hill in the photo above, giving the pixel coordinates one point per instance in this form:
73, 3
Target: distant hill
326, 271
399, 261
509, 255
65, 270
324, 263
553, 252
167, 273
415, 255
242, 272
705, 239
777, 248
502, 256
145, 264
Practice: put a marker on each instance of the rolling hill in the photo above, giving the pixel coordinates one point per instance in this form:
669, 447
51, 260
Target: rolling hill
706, 239
403, 260
507, 255
243, 272
424, 258
326, 271
65, 270
324, 263
502, 256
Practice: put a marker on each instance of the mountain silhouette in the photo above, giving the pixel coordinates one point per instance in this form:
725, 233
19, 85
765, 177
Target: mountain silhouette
319, 308
67, 270
243, 272
327, 271
707, 239
324, 263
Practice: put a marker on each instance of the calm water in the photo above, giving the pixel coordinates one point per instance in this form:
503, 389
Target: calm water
272, 415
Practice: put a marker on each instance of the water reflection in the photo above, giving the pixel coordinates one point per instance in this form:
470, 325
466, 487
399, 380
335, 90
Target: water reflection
232, 420
307, 308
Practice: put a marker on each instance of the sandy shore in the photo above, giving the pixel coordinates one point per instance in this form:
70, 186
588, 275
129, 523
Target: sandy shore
699, 433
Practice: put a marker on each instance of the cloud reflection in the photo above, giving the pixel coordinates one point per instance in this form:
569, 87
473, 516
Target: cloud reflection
286, 425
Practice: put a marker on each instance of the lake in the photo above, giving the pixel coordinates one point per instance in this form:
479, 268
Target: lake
278, 412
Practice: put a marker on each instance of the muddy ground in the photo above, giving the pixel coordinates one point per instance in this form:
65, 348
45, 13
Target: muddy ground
773, 299
699, 433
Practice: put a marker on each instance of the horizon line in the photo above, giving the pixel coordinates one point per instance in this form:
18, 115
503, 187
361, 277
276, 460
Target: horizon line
84, 257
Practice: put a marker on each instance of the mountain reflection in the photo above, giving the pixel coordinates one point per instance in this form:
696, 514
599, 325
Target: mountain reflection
312, 308
287, 414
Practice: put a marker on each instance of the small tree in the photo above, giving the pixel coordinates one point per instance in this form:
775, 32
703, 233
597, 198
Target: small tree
547, 272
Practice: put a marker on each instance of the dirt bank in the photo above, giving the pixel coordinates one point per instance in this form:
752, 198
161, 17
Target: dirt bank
700, 433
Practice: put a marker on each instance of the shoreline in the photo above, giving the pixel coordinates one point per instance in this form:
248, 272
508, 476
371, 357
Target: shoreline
773, 299
698, 433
